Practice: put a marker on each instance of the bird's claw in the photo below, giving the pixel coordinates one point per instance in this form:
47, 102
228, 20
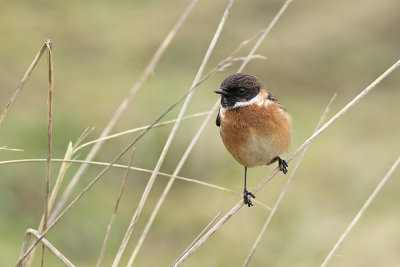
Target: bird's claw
246, 197
282, 165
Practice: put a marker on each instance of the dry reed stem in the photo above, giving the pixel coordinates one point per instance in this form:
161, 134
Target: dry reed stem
195, 138
361, 211
24, 247
285, 188
170, 138
22, 83
201, 233
49, 142
45, 46
191, 180
235, 208
63, 169
122, 107
114, 214
52, 248
139, 129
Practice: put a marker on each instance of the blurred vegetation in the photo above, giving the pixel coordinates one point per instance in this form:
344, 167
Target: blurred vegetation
100, 49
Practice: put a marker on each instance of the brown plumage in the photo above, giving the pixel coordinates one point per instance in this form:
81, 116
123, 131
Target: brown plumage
254, 127
255, 134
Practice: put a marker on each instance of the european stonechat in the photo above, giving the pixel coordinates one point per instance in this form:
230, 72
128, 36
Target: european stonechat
254, 126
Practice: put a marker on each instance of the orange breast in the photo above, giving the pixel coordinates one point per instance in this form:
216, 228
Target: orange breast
255, 134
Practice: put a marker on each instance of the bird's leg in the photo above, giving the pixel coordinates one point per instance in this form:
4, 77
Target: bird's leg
246, 194
282, 165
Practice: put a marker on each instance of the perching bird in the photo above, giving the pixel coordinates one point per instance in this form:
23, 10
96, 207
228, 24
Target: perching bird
254, 127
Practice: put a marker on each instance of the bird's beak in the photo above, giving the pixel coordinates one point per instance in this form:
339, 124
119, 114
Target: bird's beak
220, 92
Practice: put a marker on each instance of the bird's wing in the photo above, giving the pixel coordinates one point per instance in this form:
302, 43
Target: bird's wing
218, 119
273, 99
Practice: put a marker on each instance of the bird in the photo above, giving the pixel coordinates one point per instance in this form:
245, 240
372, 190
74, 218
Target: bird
255, 128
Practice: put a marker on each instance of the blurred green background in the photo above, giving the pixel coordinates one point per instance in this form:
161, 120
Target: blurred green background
100, 49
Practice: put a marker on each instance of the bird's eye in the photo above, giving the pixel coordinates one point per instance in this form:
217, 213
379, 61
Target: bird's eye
241, 91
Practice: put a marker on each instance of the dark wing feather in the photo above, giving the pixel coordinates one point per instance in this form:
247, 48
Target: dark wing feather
273, 99
218, 119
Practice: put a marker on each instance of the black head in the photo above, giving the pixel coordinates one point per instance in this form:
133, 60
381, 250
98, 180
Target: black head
238, 88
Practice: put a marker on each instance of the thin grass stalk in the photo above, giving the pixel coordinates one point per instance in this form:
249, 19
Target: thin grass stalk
361, 212
63, 169
49, 142
201, 234
170, 138
51, 248
123, 106
22, 83
24, 248
114, 214
124, 167
186, 179
285, 188
191, 180
139, 129
11, 149
235, 208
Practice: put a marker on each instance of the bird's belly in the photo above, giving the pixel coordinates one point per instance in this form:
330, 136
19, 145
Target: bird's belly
258, 150
252, 151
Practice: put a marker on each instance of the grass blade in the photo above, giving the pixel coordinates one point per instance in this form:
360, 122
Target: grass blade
361, 211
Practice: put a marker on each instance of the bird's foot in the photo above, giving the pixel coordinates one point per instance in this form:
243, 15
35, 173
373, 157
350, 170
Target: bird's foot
246, 197
282, 165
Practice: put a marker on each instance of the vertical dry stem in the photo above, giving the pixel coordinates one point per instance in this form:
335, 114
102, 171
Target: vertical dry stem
49, 141
110, 224
361, 212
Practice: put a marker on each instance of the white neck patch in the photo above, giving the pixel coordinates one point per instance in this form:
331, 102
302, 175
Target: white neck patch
247, 103
257, 99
